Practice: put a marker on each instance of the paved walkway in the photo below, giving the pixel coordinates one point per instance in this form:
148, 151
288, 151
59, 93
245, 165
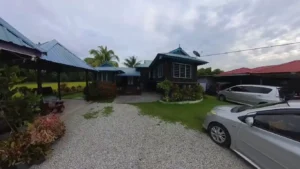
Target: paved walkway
126, 139
144, 97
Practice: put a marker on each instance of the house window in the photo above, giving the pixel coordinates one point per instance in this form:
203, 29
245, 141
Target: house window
130, 81
104, 77
154, 73
182, 70
149, 74
160, 71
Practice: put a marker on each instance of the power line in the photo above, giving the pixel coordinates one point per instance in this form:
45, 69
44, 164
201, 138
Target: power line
237, 51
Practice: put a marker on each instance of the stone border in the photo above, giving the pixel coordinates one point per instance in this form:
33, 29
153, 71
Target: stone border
182, 102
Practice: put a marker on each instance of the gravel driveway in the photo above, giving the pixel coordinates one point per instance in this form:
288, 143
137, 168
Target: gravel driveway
126, 139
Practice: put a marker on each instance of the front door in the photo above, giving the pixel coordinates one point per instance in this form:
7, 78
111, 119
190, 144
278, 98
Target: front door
273, 142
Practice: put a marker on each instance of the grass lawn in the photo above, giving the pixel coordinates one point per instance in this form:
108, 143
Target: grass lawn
190, 115
74, 96
52, 84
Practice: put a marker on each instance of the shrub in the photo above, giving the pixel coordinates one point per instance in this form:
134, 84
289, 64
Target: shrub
46, 129
79, 88
166, 87
103, 90
18, 149
63, 86
185, 94
73, 89
17, 104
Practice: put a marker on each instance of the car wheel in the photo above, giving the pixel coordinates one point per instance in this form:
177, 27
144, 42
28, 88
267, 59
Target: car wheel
222, 98
219, 134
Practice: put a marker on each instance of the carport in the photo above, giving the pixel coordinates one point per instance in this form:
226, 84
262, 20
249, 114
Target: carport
17, 50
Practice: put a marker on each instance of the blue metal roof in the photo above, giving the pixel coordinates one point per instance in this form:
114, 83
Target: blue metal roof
129, 71
11, 35
146, 63
107, 67
57, 53
180, 55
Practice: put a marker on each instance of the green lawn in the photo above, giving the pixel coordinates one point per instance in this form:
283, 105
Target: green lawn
190, 115
79, 95
52, 84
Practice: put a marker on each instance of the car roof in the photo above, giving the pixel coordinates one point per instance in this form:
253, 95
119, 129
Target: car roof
291, 104
258, 85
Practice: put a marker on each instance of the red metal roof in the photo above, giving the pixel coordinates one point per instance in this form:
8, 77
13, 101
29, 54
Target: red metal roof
290, 67
242, 70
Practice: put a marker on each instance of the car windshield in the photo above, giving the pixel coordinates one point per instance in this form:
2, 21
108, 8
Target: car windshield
238, 109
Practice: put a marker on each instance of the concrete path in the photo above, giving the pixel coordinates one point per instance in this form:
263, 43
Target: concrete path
126, 139
144, 97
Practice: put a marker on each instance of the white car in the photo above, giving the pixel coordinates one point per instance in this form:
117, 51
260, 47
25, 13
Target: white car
250, 94
266, 135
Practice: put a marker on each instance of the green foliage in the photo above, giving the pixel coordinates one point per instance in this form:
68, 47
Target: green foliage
208, 71
17, 104
184, 94
106, 111
100, 91
131, 62
166, 87
18, 149
101, 56
91, 115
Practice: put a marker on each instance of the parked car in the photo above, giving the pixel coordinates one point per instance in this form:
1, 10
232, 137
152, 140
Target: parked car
251, 94
266, 135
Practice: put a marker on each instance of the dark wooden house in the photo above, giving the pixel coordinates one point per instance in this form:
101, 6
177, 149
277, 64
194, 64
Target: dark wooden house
176, 66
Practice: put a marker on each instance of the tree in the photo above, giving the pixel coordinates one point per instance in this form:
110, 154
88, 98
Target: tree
102, 55
131, 62
208, 71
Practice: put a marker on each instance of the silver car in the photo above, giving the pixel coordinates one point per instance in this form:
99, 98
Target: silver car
250, 94
266, 135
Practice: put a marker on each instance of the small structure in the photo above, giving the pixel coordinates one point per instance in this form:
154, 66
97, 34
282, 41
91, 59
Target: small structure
126, 79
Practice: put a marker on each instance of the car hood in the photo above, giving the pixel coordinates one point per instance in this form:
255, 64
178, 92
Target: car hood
223, 109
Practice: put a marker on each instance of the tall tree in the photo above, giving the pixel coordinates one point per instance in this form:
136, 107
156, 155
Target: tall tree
102, 55
131, 62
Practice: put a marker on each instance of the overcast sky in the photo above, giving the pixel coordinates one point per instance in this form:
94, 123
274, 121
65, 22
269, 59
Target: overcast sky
146, 27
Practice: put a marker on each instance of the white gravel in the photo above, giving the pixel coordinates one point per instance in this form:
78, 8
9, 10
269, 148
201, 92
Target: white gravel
126, 139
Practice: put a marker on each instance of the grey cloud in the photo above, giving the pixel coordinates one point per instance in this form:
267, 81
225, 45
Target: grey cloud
145, 28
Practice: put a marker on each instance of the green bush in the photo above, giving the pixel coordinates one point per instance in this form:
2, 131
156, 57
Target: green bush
166, 87
185, 94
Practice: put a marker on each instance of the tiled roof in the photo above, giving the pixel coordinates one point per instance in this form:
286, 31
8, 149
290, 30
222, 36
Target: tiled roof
57, 53
11, 35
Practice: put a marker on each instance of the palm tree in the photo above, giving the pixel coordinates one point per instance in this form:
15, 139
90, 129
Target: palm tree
131, 62
101, 56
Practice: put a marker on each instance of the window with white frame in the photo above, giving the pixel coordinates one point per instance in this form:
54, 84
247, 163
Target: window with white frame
160, 71
130, 81
182, 70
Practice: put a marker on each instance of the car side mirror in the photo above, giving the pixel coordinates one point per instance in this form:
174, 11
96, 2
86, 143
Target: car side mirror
229, 90
249, 121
